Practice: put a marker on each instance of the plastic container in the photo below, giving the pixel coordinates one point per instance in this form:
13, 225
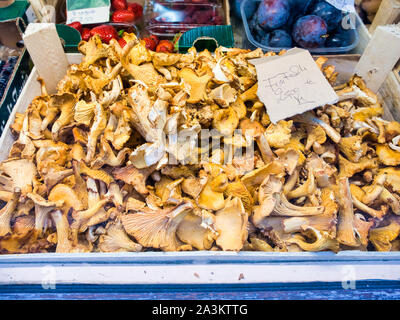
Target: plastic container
167, 18
208, 37
250, 42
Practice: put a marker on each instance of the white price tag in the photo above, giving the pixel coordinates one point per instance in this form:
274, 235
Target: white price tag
88, 11
89, 16
292, 84
344, 5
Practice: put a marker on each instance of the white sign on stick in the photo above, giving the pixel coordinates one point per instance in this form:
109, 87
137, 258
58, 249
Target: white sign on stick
292, 84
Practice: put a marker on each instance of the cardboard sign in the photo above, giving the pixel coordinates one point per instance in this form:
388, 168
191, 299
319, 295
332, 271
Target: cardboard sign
292, 84
88, 11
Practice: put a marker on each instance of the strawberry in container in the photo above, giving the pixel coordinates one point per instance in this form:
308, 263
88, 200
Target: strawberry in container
125, 12
167, 18
106, 33
77, 26
155, 44
123, 17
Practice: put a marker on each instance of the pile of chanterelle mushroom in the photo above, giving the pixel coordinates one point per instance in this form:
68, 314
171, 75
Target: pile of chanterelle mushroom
91, 169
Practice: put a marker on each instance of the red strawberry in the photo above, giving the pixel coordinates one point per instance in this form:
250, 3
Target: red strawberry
106, 32
86, 34
154, 38
165, 46
162, 48
136, 8
122, 42
76, 25
123, 16
150, 44
119, 5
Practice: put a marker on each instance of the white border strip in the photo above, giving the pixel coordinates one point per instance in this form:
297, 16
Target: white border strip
196, 274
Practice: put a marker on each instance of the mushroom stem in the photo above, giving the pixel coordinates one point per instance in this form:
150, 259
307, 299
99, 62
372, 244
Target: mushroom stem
309, 118
6, 196
265, 149
284, 208
306, 189
345, 233
7, 212
320, 222
387, 197
291, 182
322, 242
372, 212
42, 86
63, 243
41, 214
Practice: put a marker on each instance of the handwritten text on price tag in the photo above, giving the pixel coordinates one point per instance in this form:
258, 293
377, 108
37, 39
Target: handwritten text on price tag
292, 84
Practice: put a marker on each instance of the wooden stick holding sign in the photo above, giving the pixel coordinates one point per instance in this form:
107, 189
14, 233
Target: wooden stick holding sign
43, 12
380, 56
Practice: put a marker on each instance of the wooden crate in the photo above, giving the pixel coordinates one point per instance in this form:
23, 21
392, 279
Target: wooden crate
196, 269
388, 13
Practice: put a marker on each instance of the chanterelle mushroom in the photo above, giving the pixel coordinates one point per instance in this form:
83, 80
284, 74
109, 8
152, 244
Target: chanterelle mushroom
198, 231
346, 231
116, 240
268, 195
322, 240
7, 212
231, 224
194, 85
18, 173
382, 237
115, 154
157, 229
42, 210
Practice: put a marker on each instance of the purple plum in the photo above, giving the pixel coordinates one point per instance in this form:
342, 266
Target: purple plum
256, 30
300, 7
310, 31
277, 39
329, 13
273, 14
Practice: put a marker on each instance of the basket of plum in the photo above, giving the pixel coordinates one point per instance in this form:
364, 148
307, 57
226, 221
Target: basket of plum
315, 25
